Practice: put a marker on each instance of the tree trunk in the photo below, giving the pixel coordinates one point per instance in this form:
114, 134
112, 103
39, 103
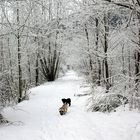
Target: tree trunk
105, 51
37, 72
137, 59
90, 60
19, 57
29, 68
98, 61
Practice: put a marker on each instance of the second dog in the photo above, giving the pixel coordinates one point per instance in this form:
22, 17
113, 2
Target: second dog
67, 101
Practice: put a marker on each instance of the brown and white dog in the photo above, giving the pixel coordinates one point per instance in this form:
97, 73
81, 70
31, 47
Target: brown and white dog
63, 109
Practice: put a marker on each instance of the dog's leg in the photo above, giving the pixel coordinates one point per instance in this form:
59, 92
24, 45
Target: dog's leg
70, 103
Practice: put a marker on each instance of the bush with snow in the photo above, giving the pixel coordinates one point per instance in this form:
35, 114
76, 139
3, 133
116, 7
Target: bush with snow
106, 102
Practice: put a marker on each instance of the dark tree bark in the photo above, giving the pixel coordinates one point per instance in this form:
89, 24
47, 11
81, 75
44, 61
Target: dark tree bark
97, 46
29, 68
19, 57
106, 69
137, 58
37, 71
90, 59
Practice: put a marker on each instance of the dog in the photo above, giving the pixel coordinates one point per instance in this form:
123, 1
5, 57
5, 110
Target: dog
63, 109
67, 101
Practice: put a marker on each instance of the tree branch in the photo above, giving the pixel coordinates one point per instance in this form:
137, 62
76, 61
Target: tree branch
128, 6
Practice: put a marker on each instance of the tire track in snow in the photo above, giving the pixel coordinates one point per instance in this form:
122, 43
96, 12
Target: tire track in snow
44, 135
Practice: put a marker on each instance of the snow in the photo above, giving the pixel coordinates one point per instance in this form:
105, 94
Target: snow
39, 119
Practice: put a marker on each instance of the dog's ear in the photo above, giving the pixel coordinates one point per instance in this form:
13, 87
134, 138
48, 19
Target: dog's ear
68, 99
64, 100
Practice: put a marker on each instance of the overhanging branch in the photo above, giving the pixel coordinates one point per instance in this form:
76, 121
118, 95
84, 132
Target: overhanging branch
128, 6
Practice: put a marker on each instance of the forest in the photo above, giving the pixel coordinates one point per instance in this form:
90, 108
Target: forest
99, 39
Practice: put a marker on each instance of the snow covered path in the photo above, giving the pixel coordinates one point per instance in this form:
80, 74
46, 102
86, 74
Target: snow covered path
41, 120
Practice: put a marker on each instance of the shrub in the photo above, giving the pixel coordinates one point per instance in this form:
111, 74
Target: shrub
106, 102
